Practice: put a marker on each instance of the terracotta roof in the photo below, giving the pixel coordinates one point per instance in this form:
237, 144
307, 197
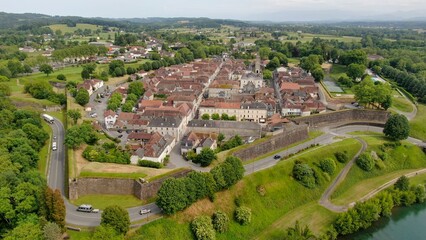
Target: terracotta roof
109, 113
289, 86
125, 116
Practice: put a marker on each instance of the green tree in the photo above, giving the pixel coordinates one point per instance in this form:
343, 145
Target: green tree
273, 64
136, 88
365, 162
15, 67
85, 74
298, 232
202, 228
205, 116
220, 137
82, 97
52, 231
327, 165
106, 233
74, 114
303, 173
215, 116
25, 231
355, 70
397, 127
264, 52
318, 74
267, 74
4, 89
116, 217
61, 77
220, 221
172, 196
46, 69
243, 215
128, 106
205, 157
54, 207
403, 183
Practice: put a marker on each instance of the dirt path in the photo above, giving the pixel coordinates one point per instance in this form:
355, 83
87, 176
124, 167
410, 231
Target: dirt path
325, 198
388, 184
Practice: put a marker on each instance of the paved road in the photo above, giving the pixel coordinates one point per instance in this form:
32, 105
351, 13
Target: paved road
408, 115
56, 178
325, 198
56, 171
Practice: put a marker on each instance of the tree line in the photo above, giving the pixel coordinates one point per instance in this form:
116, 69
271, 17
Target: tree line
176, 194
29, 209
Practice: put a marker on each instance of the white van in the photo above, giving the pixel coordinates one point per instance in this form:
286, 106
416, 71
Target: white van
54, 146
85, 208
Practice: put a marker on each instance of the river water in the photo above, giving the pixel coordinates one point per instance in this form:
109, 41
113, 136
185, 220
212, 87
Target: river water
406, 223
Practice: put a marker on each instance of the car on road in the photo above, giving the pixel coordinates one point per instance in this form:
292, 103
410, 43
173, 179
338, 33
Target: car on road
54, 146
93, 115
277, 157
120, 136
87, 208
144, 211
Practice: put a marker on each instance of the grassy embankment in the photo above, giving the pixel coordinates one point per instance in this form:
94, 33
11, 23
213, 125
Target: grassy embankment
283, 199
417, 125
402, 159
221, 156
103, 201
400, 103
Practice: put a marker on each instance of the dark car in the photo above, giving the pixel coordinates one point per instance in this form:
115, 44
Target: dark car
277, 157
119, 136
119, 130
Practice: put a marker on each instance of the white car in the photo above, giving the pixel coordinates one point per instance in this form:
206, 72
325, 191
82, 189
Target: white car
145, 211
95, 210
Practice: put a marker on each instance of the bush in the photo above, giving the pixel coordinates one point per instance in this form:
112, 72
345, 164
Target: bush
202, 228
341, 156
150, 164
304, 174
61, 77
220, 221
243, 215
328, 165
365, 162
402, 183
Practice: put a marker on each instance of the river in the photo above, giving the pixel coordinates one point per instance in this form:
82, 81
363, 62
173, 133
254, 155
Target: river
406, 223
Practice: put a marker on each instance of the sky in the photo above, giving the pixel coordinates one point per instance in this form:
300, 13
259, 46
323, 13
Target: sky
255, 10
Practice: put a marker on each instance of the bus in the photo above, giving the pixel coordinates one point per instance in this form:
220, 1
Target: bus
48, 118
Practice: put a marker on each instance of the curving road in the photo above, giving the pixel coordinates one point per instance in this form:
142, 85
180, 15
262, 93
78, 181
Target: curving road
56, 180
56, 171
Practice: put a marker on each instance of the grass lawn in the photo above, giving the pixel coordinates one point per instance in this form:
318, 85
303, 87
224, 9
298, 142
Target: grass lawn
82, 235
401, 103
337, 71
45, 150
72, 74
65, 29
311, 214
418, 179
112, 175
417, 125
400, 160
282, 195
103, 201
72, 169
221, 156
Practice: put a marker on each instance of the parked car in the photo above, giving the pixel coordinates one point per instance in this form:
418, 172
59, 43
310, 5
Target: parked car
120, 136
93, 115
119, 131
87, 208
144, 211
277, 157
